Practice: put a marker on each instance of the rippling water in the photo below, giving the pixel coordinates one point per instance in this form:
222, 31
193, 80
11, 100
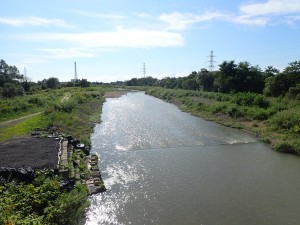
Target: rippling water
163, 166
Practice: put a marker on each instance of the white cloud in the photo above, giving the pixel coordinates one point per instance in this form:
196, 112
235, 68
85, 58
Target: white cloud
136, 38
246, 20
292, 19
180, 21
144, 15
254, 14
33, 21
112, 16
62, 53
270, 12
270, 7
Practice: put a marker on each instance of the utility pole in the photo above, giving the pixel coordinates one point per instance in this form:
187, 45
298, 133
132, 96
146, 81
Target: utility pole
144, 69
211, 61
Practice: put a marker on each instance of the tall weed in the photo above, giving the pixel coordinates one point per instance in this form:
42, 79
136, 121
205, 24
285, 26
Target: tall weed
287, 120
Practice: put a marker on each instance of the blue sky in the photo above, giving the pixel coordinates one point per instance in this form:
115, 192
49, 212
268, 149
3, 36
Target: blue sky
111, 39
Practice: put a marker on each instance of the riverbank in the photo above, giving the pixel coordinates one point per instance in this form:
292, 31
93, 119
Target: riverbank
275, 121
52, 197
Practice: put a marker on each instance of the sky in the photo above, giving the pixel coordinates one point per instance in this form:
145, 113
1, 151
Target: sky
111, 40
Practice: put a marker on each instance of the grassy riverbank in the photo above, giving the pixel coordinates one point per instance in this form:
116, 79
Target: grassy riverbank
275, 120
72, 111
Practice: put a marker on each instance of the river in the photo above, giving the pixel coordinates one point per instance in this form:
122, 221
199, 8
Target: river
164, 166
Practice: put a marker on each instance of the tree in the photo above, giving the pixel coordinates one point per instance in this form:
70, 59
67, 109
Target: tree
52, 82
8, 74
270, 71
168, 82
206, 79
11, 90
228, 71
84, 83
240, 78
292, 68
250, 78
190, 84
282, 82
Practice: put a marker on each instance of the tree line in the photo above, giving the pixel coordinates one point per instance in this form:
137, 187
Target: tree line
232, 77
13, 83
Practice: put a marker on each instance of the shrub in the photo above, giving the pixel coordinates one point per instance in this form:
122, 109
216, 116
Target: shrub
218, 107
42, 202
251, 99
285, 147
37, 100
235, 111
257, 113
286, 119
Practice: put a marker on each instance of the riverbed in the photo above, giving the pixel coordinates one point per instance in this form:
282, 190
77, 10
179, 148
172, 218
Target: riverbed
164, 166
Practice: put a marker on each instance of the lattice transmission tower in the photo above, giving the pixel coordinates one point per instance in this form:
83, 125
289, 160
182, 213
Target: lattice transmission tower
211, 61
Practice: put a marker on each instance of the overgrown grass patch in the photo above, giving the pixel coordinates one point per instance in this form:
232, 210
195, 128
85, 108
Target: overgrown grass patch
42, 202
24, 127
286, 120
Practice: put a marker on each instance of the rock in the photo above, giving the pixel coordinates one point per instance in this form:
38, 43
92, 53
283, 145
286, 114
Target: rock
67, 184
25, 173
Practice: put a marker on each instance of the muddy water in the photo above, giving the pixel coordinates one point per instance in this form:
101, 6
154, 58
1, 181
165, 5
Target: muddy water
163, 166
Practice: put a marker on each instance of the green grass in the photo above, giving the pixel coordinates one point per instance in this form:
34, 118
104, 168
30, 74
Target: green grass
42, 202
76, 115
24, 127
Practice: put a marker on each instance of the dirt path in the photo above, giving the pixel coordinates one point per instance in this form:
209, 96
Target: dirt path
15, 121
66, 97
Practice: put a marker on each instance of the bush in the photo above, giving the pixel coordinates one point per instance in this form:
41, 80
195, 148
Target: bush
286, 120
42, 202
37, 100
11, 90
286, 148
218, 107
235, 111
251, 99
294, 92
257, 113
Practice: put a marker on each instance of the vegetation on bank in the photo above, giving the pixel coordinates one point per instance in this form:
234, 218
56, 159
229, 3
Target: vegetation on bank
275, 120
71, 110
43, 201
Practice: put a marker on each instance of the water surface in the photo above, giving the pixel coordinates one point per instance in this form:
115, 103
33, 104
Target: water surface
164, 166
